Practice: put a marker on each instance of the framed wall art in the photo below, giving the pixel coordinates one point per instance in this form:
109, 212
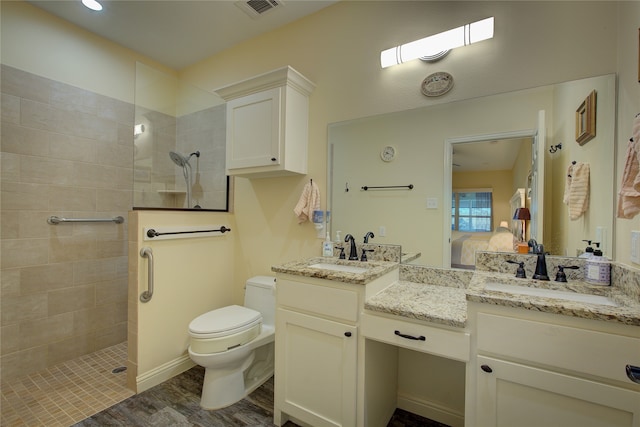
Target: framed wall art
586, 119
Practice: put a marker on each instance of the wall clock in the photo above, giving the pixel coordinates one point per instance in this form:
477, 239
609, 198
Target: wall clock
388, 153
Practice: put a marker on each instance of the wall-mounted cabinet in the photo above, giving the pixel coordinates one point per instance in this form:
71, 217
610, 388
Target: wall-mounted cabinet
268, 124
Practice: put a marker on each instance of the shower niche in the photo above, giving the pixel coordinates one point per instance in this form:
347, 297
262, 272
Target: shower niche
179, 140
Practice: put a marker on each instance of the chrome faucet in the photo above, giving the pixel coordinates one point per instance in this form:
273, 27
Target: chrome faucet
353, 254
366, 236
541, 263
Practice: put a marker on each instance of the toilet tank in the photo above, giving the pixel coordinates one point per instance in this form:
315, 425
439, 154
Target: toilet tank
260, 295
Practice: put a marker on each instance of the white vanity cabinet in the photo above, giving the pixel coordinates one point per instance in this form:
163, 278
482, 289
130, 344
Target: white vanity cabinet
267, 124
534, 369
316, 352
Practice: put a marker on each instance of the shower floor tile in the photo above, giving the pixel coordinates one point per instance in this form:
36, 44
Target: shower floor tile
66, 393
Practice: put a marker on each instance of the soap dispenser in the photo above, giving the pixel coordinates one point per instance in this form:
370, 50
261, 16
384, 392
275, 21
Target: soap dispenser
588, 251
598, 268
327, 246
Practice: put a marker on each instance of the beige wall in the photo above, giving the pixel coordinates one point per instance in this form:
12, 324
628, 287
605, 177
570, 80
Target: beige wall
338, 49
192, 276
40, 43
596, 152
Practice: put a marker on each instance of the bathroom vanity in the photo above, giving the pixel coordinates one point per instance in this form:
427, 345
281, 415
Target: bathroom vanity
552, 361
353, 346
317, 338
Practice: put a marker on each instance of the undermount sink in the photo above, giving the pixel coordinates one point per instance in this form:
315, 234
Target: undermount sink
339, 267
550, 293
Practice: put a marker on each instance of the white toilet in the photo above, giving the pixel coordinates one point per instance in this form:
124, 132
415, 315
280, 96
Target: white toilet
235, 345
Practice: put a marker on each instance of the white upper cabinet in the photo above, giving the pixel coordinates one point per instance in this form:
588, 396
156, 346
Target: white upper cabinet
268, 124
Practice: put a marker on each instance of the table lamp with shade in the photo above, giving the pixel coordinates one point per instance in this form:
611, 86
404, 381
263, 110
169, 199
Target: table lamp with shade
523, 215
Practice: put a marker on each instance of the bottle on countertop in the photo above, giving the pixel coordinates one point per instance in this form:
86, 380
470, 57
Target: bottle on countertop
598, 269
588, 251
327, 246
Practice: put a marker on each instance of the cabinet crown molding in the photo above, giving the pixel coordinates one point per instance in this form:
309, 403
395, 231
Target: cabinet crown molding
285, 76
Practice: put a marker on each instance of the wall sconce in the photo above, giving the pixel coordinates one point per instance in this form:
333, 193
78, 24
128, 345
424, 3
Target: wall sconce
523, 215
138, 130
438, 44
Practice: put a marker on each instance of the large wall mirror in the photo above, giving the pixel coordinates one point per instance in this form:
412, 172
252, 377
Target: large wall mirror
495, 144
179, 145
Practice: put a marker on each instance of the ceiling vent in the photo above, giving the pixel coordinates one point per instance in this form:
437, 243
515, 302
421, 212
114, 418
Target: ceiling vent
256, 8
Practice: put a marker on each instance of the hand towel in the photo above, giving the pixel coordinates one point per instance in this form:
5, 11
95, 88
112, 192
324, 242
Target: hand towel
309, 201
576, 189
629, 194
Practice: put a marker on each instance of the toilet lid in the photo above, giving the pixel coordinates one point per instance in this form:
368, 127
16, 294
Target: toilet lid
225, 320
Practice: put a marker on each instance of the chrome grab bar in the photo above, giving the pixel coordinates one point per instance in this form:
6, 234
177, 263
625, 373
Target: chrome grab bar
148, 253
55, 220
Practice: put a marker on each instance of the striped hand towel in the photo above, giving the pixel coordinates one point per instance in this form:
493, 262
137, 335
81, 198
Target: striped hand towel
576, 190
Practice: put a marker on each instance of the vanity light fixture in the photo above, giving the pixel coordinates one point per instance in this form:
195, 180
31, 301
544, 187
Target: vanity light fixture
92, 4
439, 44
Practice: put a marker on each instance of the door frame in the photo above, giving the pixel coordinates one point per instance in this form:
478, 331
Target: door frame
448, 170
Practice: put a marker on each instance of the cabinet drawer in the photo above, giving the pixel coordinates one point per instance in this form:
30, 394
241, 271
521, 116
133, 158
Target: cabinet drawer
438, 341
574, 349
323, 300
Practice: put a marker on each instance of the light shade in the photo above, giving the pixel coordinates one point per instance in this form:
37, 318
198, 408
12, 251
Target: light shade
522, 214
432, 45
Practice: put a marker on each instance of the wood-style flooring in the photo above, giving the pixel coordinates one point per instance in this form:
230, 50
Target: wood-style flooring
176, 403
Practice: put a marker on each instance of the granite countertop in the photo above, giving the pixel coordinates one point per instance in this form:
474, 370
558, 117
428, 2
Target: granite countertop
430, 303
302, 267
407, 257
627, 310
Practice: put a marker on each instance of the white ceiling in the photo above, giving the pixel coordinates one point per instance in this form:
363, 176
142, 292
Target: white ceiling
486, 156
178, 33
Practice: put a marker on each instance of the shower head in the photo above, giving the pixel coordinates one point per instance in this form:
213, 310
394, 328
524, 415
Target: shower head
181, 160
178, 158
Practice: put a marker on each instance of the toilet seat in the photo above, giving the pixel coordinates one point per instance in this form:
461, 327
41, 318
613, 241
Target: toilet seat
225, 328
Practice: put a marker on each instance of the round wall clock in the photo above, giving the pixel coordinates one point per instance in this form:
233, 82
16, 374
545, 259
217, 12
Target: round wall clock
437, 84
388, 153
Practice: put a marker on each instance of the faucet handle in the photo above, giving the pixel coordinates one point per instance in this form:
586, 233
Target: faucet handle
561, 276
364, 254
520, 273
342, 256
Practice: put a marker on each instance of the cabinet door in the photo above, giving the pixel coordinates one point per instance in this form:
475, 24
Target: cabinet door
511, 394
315, 379
253, 130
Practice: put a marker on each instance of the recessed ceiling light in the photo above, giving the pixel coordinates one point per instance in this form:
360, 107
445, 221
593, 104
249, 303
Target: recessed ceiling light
92, 4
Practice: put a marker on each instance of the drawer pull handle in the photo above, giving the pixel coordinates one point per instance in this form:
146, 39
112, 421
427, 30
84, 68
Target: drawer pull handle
409, 337
273, 159
633, 372
347, 334
486, 368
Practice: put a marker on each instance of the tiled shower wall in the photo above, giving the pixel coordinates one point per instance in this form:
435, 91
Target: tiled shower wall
158, 182
66, 152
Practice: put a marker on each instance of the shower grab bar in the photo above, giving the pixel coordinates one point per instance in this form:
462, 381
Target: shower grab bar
55, 220
148, 253
153, 233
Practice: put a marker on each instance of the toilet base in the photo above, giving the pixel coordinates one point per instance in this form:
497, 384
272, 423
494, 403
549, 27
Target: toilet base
223, 387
